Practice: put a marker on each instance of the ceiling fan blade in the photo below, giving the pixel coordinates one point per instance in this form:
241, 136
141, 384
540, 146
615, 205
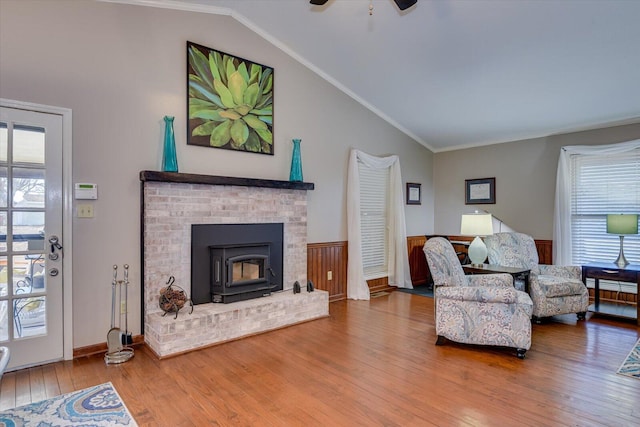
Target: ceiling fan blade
405, 4
321, 2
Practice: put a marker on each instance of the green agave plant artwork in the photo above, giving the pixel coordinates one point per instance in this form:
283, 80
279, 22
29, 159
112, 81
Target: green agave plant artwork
230, 101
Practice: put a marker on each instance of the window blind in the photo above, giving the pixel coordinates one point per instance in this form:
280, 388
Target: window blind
374, 196
601, 185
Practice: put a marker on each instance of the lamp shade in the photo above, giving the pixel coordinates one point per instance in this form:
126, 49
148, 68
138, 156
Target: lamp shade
476, 224
622, 224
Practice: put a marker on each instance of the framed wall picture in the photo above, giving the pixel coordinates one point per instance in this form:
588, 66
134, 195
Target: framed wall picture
229, 101
414, 193
480, 191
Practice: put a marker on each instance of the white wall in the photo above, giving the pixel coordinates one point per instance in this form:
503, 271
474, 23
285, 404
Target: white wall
525, 173
122, 68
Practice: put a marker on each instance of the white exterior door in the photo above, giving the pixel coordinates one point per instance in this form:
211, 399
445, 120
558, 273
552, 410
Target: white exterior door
31, 252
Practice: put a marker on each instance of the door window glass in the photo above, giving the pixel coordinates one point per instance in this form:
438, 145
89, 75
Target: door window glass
3, 231
29, 315
28, 144
4, 321
28, 188
3, 276
28, 274
3, 187
27, 227
4, 138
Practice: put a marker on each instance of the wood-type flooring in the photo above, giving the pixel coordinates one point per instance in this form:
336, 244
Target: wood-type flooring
372, 363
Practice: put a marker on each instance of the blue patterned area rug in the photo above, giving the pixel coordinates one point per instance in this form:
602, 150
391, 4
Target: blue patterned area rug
631, 365
94, 406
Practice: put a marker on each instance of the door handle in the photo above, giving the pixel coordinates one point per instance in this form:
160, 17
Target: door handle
55, 244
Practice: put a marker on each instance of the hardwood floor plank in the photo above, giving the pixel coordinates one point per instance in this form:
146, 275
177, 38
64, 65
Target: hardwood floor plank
368, 363
63, 373
8, 391
51, 387
23, 388
36, 380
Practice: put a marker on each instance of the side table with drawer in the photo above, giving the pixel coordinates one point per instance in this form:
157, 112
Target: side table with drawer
611, 271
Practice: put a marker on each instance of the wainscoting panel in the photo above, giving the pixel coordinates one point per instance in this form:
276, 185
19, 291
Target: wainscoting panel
323, 258
417, 260
377, 285
332, 256
544, 247
545, 251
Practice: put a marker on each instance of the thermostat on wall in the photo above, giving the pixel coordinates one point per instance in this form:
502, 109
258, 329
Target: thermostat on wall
85, 191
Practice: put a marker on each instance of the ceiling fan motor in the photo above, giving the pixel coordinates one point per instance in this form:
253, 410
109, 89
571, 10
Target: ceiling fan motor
402, 4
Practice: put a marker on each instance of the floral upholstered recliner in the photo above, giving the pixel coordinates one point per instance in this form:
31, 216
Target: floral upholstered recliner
553, 289
480, 309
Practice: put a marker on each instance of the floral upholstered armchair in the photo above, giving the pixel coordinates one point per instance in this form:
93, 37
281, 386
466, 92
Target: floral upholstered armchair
553, 289
480, 309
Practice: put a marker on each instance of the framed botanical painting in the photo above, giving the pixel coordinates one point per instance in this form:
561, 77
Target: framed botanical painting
480, 191
229, 101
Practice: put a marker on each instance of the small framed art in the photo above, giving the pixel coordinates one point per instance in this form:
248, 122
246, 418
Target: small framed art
480, 191
414, 193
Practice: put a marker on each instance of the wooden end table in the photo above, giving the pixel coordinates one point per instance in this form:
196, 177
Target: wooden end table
611, 271
515, 272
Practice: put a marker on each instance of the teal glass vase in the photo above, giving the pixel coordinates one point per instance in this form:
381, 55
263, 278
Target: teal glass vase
296, 163
169, 158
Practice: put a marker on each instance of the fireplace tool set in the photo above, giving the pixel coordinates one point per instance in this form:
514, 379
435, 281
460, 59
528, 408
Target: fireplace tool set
117, 350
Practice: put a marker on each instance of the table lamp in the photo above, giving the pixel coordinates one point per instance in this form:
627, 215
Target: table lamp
622, 224
476, 224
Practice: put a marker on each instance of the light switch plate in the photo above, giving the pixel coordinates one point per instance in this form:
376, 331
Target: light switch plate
84, 210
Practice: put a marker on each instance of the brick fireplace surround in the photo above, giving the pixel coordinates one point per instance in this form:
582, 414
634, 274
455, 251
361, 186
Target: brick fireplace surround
171, 203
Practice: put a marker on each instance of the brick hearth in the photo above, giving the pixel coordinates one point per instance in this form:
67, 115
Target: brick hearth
217, 323
170, 208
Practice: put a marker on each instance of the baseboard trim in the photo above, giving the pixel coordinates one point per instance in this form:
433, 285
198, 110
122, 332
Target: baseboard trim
90, 350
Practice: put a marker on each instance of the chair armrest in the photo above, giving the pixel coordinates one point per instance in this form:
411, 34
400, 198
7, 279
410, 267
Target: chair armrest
569, 271
504, 295
490, 280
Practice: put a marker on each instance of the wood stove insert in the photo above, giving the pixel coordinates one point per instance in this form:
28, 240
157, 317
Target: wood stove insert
235, 262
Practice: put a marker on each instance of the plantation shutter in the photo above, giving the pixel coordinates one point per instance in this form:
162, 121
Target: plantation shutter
601, 185
374, 195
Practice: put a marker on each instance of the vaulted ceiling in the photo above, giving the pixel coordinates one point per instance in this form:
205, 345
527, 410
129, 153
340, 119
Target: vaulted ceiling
454, 73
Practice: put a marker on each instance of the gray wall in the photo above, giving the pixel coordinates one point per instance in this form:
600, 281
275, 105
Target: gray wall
122, 68
525, 173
